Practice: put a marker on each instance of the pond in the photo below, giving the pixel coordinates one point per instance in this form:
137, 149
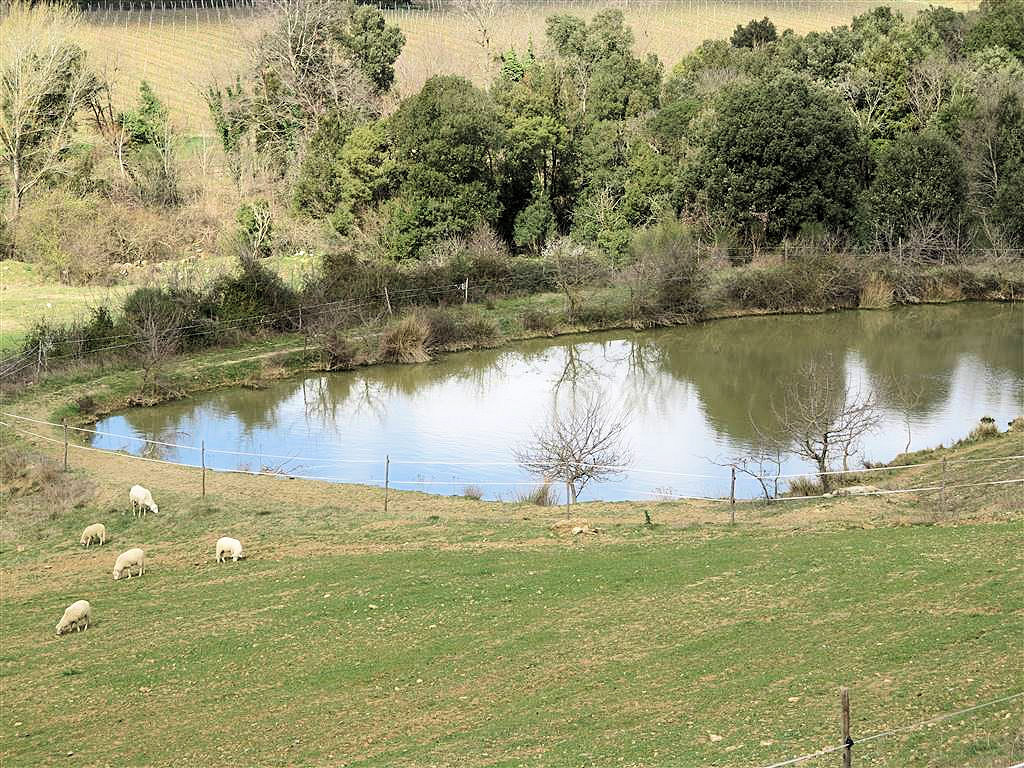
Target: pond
693, 398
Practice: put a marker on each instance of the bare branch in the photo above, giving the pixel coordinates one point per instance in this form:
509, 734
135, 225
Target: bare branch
579, 446
825, 420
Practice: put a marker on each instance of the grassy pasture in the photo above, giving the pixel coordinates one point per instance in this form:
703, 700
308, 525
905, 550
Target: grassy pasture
180, 52
456, 632
29, 293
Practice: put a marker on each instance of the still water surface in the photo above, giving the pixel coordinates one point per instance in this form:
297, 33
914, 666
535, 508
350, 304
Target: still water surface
690, 395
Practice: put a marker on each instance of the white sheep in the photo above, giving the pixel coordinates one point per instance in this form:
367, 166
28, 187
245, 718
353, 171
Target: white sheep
228, 547
141, 498
76, 616
94, 532
133, 558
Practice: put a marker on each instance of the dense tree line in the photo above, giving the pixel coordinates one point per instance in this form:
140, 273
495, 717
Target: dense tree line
888, 132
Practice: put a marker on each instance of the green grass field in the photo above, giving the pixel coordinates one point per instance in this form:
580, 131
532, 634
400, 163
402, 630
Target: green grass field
632, 653
29, 294
181, 52
463, 633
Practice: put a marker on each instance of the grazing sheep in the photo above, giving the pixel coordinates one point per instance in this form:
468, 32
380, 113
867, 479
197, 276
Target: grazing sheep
141, 499
77, 616
228, 547
94, 532
127, 560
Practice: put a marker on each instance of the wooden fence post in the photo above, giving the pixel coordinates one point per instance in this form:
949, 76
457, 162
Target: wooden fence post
943, 498
844, 705
465, 292
732, 498
65, 423
387, 300
387, 480
202, 457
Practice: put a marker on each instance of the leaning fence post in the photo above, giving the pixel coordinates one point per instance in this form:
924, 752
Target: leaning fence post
65, 423
202, 458
844, 704
387, 300
732, 498
387, 480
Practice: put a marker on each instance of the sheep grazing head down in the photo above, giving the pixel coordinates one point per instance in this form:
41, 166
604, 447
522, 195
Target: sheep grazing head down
76, 616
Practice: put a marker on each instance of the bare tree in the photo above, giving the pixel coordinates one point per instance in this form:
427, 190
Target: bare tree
824, 420
481, 14
762, 462
574, 268
907, 394
157, 328
44, 82
584, 444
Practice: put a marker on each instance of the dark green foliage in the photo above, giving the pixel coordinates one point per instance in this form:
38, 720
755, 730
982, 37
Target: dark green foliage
147, 154
446, 141
754, 34
232, 121
320, 187
943, 28
779, 155
256, 292
534, 225
998, 23
920, 182
1008, 206
374, 44
617, 84
94, 334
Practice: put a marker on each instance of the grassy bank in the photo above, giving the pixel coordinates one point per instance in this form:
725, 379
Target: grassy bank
84, 384
456, 632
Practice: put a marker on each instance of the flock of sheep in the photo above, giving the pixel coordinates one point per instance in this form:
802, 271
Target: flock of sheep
78, 615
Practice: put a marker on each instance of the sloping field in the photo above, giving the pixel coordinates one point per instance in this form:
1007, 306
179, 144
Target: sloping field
180, 52
458, 633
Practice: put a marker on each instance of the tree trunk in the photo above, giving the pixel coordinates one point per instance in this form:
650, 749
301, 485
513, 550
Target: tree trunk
16, 191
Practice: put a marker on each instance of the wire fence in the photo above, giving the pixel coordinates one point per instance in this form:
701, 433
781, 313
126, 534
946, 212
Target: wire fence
849, 742
201, 452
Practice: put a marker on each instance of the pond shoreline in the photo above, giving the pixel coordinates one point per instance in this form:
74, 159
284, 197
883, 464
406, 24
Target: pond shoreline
86, 397
694, 396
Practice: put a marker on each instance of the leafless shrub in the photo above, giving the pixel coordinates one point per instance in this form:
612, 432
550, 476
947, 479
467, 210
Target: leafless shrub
906, 394
156, 324
805, 486
824, 420
584, 444
534, 319
24, 473
574, 268
762, 462
473, 492
985, 429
